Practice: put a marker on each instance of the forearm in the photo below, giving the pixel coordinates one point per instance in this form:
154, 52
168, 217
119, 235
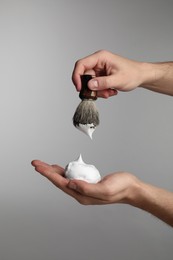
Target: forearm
158, 77
154, 200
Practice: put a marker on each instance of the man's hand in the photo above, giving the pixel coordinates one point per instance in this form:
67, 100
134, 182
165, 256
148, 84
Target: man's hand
112, 73
114, 188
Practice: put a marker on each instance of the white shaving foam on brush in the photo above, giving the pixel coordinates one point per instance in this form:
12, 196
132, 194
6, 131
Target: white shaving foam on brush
86, 116
88, 129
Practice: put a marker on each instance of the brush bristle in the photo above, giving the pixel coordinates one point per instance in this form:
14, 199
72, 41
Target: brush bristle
86, 113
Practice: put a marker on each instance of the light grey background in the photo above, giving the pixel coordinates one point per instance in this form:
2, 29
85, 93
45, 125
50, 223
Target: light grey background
39, 44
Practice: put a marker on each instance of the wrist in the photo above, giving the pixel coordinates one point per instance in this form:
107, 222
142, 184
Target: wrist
141, 195
155, 74
135, 193
148, 73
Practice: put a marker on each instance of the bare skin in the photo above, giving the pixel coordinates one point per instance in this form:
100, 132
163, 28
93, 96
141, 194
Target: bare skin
114, 73
120, 187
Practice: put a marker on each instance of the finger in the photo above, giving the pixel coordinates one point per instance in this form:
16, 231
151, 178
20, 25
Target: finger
81, 66
38, 162
95, 191
62, 183
50, 173
90, 72
83, 198
58, 169
86, 200
102, 83
107, 93
56, 178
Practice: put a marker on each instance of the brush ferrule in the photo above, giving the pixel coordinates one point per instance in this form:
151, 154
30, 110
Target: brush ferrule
85, 92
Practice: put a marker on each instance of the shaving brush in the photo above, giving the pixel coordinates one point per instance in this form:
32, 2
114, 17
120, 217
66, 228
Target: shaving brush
86, 116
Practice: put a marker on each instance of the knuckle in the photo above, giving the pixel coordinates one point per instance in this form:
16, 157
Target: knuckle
83, 190
78, 63
106, 95
108, 192
103, 52
104, 83
83, 201
107, 82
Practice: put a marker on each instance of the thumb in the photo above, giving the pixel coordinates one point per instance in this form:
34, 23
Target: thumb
102, 83
85, 188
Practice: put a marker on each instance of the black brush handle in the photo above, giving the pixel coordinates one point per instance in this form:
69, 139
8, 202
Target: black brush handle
85, 92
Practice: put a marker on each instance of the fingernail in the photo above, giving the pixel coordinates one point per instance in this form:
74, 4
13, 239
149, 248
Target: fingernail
72, 186
93, 84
